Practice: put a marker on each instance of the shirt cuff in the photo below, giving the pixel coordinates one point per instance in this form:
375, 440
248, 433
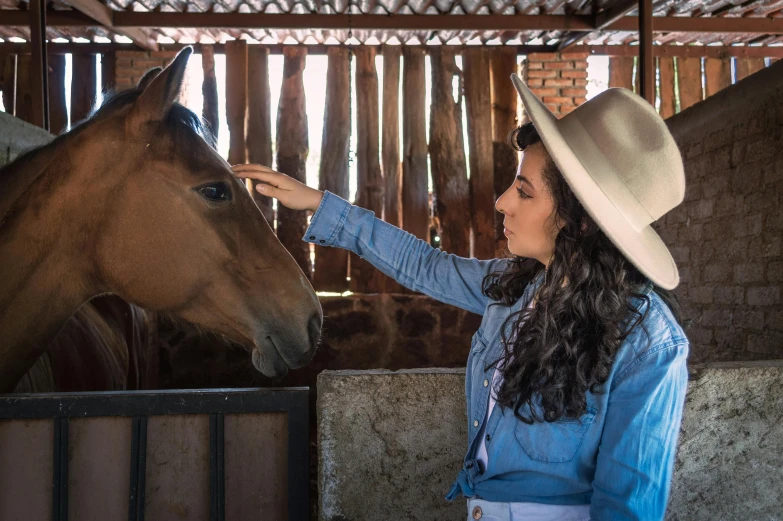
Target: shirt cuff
328, 220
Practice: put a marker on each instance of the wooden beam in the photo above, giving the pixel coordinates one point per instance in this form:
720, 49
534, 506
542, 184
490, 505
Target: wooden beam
666, 78
415, 198
83, 89
24, 100
447, 155
39, 68
236, 100
259, 122
58, 113
744, 67
331, 264
688, 51
689, 81
210, 112
8, 81
292, 152
621, 72
602, 21
478, 104
646, 71
105, 17
108, 71
717, 75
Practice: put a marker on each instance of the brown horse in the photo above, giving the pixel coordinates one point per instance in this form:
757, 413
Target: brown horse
135, 202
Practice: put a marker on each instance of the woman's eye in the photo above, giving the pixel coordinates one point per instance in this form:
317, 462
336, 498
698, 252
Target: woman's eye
521, 193
215, 192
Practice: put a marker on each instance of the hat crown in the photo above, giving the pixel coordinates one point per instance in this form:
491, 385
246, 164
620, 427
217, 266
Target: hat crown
636, 146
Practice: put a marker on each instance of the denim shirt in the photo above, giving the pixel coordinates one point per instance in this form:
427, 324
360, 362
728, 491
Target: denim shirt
618, 457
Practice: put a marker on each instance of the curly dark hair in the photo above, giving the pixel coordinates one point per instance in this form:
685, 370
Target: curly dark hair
566, 344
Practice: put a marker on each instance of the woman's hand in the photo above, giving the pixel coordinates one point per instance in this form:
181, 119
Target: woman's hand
290, 192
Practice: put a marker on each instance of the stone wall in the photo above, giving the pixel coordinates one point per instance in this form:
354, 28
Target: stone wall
726, 236
559, 79
391, 443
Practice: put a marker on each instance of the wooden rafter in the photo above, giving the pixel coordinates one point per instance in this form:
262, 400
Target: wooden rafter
602, 20
105, 17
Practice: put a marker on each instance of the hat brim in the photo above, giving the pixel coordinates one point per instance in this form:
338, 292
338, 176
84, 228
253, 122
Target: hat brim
645, 249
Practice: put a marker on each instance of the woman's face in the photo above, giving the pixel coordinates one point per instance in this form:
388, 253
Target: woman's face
528, 208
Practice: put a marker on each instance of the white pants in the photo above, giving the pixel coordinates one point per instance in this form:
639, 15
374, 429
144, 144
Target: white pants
479, 509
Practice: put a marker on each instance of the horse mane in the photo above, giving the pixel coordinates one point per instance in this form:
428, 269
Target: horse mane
182, 124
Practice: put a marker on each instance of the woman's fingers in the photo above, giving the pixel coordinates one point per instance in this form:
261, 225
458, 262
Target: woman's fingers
259, 173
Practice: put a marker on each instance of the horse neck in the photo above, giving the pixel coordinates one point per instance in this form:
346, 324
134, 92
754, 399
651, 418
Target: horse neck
42, 284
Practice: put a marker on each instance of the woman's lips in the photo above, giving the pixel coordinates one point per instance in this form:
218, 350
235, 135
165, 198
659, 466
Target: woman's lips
507, 232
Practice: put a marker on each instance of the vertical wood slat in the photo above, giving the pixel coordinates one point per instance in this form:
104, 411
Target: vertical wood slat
646, 69
717, 74
689, 81
666, 70
331, 264
369, 183
747, 66
259, 121
292, 151
209, 91
447, 155
621, 72
24, 99
8, 81
39, 72
415, 198
83, 89
505, 100
58, 112
108, 71
390, 146
478, 104
236, 100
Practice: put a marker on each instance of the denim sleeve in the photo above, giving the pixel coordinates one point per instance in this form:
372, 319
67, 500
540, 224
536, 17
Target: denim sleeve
639, 442
407, 259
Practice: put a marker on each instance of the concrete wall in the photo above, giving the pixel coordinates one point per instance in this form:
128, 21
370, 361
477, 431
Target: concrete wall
391, 443
726, 236
16, 136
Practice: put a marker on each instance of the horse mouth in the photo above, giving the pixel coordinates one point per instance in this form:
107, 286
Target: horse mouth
268, 361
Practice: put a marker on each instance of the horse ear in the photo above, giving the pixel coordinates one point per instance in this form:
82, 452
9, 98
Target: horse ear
161, 90
150, 75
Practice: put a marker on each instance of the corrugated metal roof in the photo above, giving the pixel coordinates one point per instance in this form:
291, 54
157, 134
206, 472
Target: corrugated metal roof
689, 8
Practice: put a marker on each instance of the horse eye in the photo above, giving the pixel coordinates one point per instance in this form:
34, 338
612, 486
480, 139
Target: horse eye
215, 192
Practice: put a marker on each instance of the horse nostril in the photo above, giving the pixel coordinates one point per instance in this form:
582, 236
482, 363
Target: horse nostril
314, 329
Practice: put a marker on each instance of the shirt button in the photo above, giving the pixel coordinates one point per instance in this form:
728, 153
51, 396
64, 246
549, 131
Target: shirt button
322, 241
475, 423
312, 237
477, 513
488, 437
486, 383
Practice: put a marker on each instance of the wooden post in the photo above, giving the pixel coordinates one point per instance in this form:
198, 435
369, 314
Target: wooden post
478, 104
666, 69
689, 81
39, 70
83, 67
415, 197
8, 82
747, 66
331, 264
717, 75
209, 113
447, 155
621, 72
24, 99
236, 100
58, 112
504, 119
108, 71
259, 121
292, 151
369, 182
646, 71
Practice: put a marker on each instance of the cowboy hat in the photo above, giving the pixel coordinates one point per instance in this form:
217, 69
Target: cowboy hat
620, 160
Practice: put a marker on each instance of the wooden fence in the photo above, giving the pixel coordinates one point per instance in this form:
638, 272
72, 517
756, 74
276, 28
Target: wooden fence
392, 168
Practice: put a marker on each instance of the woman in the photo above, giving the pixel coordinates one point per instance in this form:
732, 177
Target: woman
580, 339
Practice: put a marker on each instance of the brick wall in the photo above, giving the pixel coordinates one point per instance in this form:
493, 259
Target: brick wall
131, 65
726, 236
558, 79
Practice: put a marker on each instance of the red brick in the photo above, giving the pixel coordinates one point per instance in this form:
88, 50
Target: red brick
551, 107
559, 65
534, 65
558, 82
132, 54
574, 74
566, 109
580, 65
579, 93
557, 99
579, 101
123, 73
542, 74
574, 55
147, 64
580, 83
535, 82
544, 92
542, 56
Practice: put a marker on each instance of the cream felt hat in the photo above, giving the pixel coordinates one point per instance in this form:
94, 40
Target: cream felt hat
620, 160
